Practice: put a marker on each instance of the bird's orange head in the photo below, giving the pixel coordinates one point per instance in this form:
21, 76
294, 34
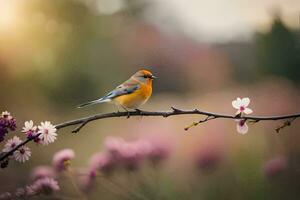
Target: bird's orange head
144, 76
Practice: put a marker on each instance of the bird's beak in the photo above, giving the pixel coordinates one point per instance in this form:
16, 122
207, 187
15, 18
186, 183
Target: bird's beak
153, 77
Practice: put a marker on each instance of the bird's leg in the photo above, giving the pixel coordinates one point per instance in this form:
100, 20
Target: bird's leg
138, 110
118, 108
128, 113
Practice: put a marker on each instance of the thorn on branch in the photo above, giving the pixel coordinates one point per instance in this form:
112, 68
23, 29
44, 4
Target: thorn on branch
175, 110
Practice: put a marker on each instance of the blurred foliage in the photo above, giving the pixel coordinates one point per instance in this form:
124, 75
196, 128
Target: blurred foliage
279, 51
64, 52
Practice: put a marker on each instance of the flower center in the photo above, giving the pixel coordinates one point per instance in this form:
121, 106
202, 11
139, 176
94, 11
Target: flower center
13, 145
46, 131
22, 151
242, 108
242, 122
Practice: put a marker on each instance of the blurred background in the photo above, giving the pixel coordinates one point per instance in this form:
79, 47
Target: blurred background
57, 54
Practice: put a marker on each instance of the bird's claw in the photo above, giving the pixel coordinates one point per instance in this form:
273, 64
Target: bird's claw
138, 111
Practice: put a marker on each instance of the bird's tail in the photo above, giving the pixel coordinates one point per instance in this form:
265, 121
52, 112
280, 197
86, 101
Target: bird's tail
90, 103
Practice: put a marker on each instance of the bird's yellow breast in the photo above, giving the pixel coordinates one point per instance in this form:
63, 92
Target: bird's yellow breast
135, 99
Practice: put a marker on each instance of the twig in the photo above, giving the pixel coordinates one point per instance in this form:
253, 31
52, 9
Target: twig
76, 130
285, 124
199, 122
175, 111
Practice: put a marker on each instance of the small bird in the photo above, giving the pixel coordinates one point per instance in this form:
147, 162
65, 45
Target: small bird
131, 94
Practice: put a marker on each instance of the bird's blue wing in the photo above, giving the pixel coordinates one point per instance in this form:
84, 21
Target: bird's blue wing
122, 90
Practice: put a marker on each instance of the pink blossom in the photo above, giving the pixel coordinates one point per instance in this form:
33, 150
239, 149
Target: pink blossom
103, 162
114, 145
211, 151
208, 158
61, 159
275, 166
44, 186
8, 121
159, 149
12, 143
42, 172
242, 126
130, 156
6, 196
87, 182
21, 193
127, 154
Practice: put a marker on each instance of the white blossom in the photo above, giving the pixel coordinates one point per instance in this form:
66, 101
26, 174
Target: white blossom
22, 154
28, 127
241, 105
6, 114
11, 143
48, 132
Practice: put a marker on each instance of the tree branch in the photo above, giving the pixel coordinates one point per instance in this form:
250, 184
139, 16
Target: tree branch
173, 112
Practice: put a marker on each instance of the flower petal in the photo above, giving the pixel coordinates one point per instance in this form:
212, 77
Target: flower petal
236, 104
248, 111
242, 129
245, 101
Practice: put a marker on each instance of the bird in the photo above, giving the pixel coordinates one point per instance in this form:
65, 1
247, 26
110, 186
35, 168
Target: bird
131, 94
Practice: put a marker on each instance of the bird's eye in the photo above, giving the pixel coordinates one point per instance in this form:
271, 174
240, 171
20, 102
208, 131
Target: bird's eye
145, 76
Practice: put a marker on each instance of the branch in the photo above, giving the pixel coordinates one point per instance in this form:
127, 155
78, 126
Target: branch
174, 111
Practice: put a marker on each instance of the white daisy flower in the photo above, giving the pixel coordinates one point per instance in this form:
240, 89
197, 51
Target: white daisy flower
241, 126
6, 114
22, 154
28, 126
29, 129
11, 143
48, 132
241, 105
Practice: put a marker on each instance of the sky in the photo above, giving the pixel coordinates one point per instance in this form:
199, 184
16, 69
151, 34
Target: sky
203, 20
219, 20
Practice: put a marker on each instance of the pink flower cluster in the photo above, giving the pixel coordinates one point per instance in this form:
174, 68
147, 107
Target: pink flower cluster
120, 154
46, 186
42, 172
61, 160
43, 177
131, 154
7, 122
46, 134
209, 158
275, 166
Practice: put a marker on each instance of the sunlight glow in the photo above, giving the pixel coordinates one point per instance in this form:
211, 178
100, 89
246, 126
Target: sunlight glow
8, 15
